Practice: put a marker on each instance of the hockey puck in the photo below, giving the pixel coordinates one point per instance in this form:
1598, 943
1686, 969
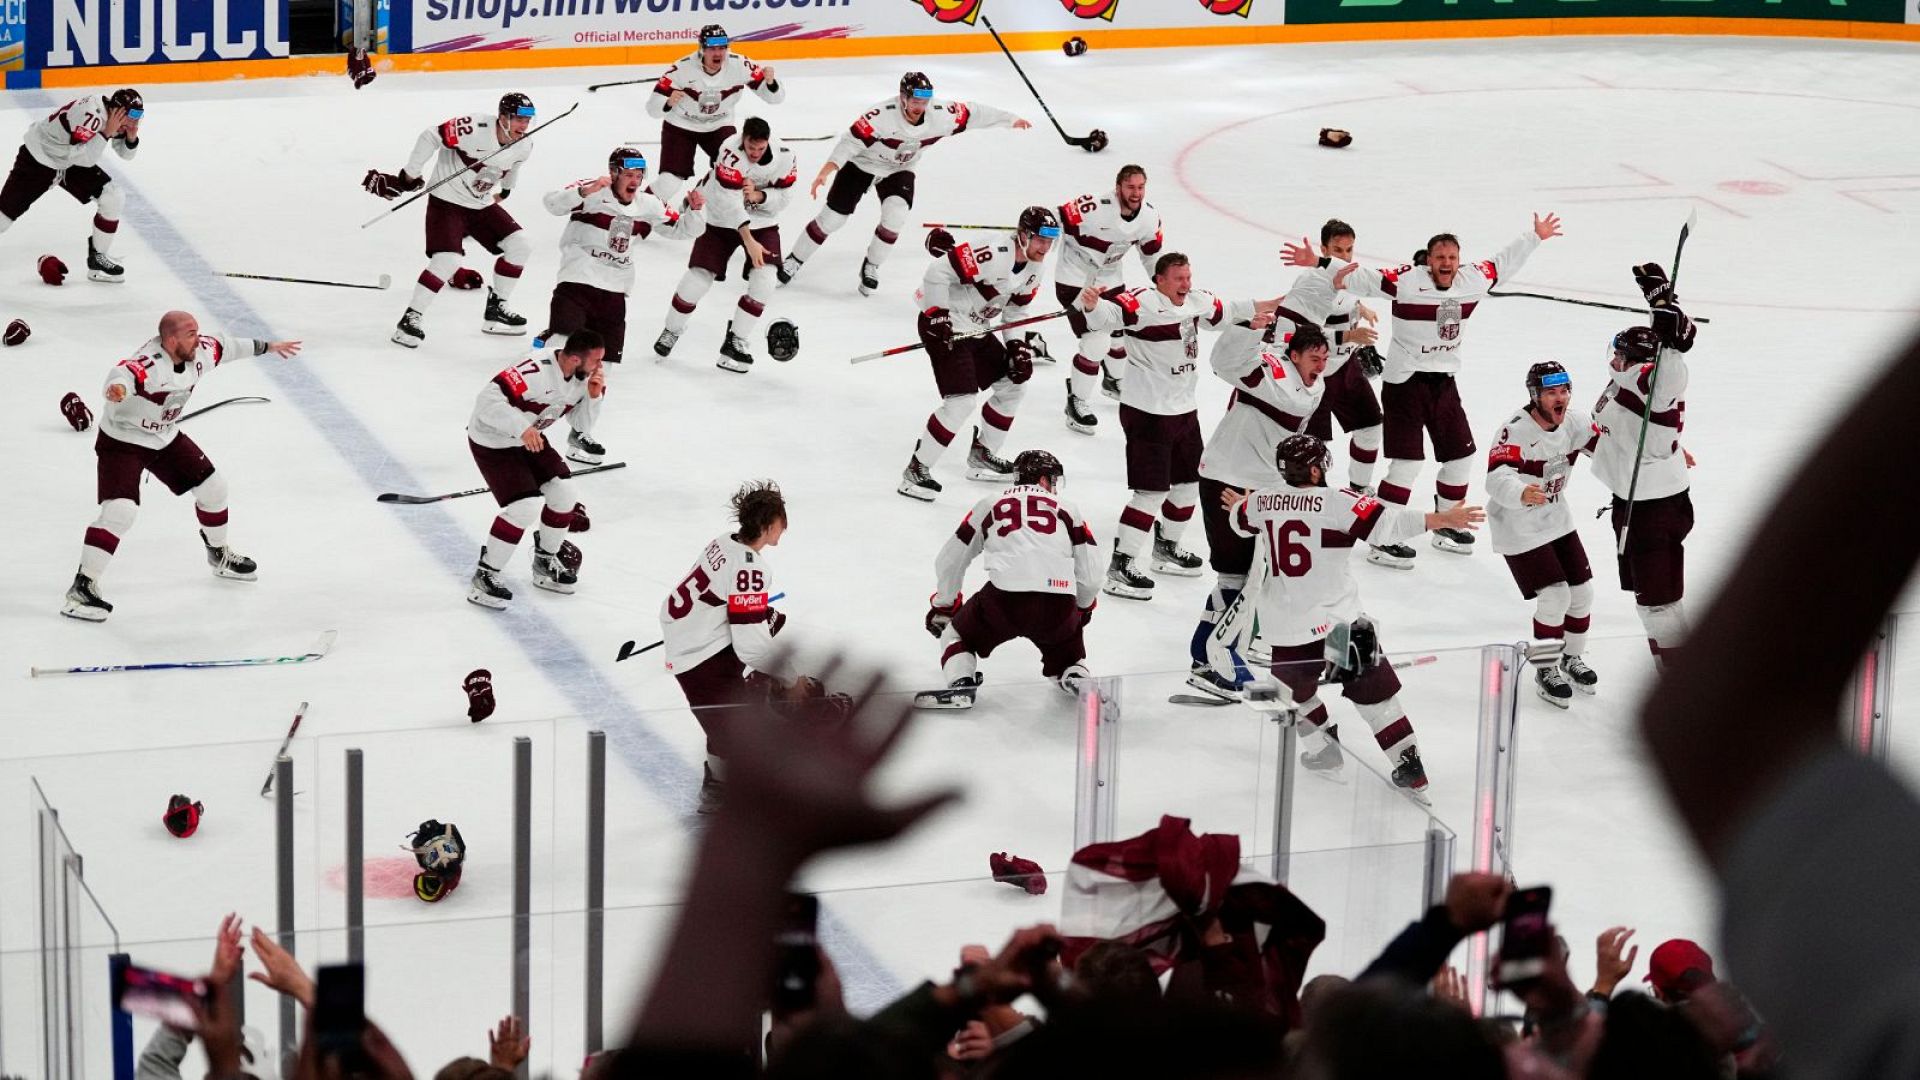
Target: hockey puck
17, 332
1074, 46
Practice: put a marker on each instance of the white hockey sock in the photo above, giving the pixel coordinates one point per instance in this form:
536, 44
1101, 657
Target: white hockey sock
1397, 488
508, 527
893, 217
1177, 510
1087, 350
104, 535
956, 660
210, 506
1550, 612
1364, 452
753, 303
1451, 484
514, 251
556, 512
106, 216
822, 226
1117, 358
1666, 626
666, 186
1136, 522
433, 279
1391, 728
996, 416
1313, 728
1579, 617
941, 426
686, 297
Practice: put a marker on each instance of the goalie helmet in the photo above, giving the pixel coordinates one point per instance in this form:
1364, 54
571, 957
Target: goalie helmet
1637, 343
914, 84
1546, 373
783, 339
1298, 455
516, 104
440, 851
627, 158
1029, 466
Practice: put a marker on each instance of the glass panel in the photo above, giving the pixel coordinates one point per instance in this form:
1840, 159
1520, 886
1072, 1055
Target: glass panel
1901, 711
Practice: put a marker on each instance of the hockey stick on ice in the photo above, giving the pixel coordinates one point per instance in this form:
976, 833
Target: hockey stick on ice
385, 280
628, 652
230, 401
318, 652
299, 715
1093, 142
1561, 300
431, 188
916, 346
1653, 385
417, 500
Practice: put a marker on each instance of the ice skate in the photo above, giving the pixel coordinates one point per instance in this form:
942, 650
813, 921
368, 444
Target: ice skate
84, 602
102, 268
1392, 556
1551, 684
408, 332
499, 320
663, 345
713, 791
869, 277
1329, 762
1458, 541
1079, 417
1411, 776
1109, 385
1579, 674
734, 354
1073, 679
1038, 344
550, 573
983, 465
486, 590
584, 450
1210, 682
1170, 558
1124, 581
227, 563
788, 267
957, 696
917, 483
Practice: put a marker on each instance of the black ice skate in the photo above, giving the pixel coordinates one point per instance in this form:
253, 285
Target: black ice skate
1109, 385
550, 573
1124, 581
1392, 556
408, 332
1552, 686
1170, 558
663, 345
1073, 679
102, 268
499, 320
1579, 674
982, 464
869, 276
734, 354
917, 483
84, 602
1328, 762
957, 696
1213, 684
486, 589
1079, 417
1411, 776
713, 791
1458, 541
584, 450
788, 267
227, 563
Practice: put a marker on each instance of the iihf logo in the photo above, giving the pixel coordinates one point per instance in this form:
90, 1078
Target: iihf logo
1241, 8
1091, 9
952, 11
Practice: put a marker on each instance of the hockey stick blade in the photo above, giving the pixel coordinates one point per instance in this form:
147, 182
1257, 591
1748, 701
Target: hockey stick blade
597, 87
418, 500
385, 281
218, 404
1093, 142
298, 715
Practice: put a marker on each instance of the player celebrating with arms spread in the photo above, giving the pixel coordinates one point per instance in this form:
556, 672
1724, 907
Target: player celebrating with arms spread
466, 205
879, 151
695, 101
139, 433
65, 150
1100, 230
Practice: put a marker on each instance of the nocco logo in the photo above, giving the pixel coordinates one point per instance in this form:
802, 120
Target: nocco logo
952, 11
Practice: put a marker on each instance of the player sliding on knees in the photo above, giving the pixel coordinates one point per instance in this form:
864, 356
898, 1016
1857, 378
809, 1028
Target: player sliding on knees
1308, 532
969, 288
1043, 580
467, 205
695, 101
146, 394
526, 475
880, 151
65, 150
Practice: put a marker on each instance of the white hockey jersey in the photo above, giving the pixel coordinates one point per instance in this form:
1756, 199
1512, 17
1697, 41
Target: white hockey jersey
1270, 402
1163, 343
980, 284
457, 144
1663, 466
531, 393
1309, 534
1034, 541
1095, 238
1525, 453
71, 136
157, 392
711, 99
882, 142
1427, 320
725, 188
596, 247
725, 600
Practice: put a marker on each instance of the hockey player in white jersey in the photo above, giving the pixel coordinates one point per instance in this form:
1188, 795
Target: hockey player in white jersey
1640, 415
65, 150
1043, 580
879, 151
1100, 230
1308, 531
527, 476
1277, 386
1531, 525
1352, 360
467, 205
968, 289
1430, 304
139, 433
695, 102
751, 183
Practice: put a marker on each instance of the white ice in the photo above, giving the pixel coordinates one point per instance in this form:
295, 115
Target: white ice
1796, 155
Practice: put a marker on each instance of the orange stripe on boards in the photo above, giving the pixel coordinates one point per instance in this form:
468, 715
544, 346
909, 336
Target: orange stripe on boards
828, 48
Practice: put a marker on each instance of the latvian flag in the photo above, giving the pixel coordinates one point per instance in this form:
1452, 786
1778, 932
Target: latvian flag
1163, 891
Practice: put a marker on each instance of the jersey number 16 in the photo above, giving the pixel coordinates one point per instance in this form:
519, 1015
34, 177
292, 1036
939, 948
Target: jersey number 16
1286, 555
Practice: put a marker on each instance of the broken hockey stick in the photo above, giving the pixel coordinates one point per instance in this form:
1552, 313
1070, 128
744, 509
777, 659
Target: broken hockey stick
299, 715
1555, 299
1092, 142
230, 401
628, 652
318, 652
1653, 385
416, 500
436, 185
385, 280
916, 346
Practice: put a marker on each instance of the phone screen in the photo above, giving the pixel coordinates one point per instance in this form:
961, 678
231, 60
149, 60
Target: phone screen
159, 996
798, 962
1525, 936
339, 1009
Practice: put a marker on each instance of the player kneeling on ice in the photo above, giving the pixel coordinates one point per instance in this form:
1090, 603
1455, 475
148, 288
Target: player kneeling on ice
1532, 527
525, 473
968, 289
1308, 532
139, 434
1043, 579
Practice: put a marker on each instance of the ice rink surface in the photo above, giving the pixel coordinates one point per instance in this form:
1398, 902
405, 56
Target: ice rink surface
1791, 153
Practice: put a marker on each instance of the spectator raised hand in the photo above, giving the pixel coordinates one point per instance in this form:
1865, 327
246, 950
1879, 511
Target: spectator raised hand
1613, 960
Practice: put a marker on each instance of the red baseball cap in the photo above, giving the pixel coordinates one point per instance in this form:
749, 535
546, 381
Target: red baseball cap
1673, 965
